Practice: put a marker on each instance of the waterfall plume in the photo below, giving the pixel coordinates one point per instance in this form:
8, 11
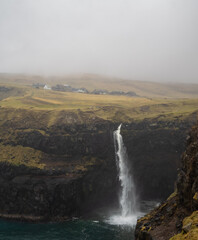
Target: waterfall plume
128, 198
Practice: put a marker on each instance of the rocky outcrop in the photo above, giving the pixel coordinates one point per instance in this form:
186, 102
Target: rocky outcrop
189, 228
187, 183
166, 221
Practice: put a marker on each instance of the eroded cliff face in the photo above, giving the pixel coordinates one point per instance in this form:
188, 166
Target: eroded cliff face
178, 214
35, 195
65, 169
77, 174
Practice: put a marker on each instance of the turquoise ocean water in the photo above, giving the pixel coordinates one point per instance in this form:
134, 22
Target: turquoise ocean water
71, 230
96, 228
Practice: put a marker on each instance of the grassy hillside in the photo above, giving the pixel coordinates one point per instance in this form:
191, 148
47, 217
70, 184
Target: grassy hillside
107, 107
91, 82
26, 110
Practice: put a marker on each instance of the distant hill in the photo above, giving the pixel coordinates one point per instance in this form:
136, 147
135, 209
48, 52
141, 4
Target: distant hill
94, 81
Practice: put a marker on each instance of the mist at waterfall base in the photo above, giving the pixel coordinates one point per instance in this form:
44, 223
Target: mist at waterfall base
115, 225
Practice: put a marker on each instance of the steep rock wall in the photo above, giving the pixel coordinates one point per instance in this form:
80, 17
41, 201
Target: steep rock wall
80, 172
154, 149
166, 221
33, 194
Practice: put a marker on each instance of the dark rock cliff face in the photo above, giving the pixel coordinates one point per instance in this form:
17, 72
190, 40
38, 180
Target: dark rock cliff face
187, 182
166, 220
48, 195
80, 171
155, 152
79, 175
31, 192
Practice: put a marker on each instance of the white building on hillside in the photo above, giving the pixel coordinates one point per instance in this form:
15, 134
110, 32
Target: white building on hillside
47, 87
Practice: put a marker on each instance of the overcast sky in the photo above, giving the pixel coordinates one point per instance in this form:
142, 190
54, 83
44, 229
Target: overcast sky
134, 39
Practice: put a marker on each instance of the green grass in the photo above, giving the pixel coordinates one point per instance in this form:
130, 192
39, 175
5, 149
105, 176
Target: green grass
107, 107
93, 81
42, 99
35, 109
18, 155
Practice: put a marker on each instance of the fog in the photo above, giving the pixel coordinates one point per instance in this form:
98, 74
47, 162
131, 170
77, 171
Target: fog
133, 39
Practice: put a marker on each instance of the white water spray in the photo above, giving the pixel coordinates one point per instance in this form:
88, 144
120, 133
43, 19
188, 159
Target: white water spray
128, 201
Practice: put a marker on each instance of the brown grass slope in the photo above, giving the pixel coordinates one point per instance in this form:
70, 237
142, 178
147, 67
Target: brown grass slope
93, 81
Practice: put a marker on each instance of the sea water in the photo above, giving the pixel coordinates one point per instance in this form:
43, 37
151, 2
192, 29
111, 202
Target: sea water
71, 230
96, 228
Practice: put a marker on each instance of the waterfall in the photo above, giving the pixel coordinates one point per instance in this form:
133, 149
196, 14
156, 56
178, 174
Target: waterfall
129, 209
128, 193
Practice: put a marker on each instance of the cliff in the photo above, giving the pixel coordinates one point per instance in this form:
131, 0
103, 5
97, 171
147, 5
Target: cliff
62, 164
55, 173
177, 217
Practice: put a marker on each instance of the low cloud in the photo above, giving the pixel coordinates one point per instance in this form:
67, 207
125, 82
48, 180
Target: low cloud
134, 39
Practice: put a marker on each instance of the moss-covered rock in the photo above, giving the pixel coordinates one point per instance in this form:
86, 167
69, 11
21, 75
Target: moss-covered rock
189, 229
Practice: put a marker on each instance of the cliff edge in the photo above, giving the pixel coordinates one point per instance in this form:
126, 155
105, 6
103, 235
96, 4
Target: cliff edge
177, 217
